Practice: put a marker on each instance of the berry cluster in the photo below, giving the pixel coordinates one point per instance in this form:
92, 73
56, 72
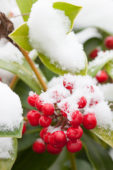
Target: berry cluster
102, 76
61, 124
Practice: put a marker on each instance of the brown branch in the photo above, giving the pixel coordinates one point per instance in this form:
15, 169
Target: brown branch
13, 82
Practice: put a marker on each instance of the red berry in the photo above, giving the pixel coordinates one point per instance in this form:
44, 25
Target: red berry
53, 150
47, 137
32, 99
82, 102
77, 118
33, 117
68, 85
109, 42
102, 76
94, 53
48, 109
43, 132
24, 128
89, 121
63, 113
39, 146
59, 139
74, 146
45, 121
74, 133
39, 104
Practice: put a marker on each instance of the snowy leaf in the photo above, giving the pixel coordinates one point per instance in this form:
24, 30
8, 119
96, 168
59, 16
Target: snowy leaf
61, 53
8, 153
25, 7
70, 10
104, 134
11, 120
20, 36
100, 61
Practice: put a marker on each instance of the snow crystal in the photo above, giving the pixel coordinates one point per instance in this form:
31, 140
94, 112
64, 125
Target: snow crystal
52, 129
10, 109
107, 90
87, 34
9, 52
6, 148
48, 28
68, 101
101, 59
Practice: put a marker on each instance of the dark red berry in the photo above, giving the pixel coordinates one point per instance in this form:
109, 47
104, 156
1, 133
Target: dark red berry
63, 114
82, 102
24, 128
77, 118
59, 139
43, 132
89, 121
51, 149
39, 146
102, 76
74, 133
74, 146
68, 85
109, 42
39, 104
32, 100
48, 109
94, 53
33, 117
45, 121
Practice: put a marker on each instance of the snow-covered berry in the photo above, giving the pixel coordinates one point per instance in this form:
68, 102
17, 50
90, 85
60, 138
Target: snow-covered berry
32, 100
89, 121
68, 85
82, 102
33, 117
39, 104
39, 146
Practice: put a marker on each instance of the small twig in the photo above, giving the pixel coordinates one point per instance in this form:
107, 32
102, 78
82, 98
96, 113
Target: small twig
72, 160
25, 14
31, 63
13, 82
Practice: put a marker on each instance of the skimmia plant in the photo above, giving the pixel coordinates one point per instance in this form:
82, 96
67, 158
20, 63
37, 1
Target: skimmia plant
60, 69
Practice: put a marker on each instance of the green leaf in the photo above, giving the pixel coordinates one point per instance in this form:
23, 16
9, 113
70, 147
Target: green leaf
20, 36
70, 10
97, 155
28, 160
23, 71
109, 68
104, 134
6, 164
25, 7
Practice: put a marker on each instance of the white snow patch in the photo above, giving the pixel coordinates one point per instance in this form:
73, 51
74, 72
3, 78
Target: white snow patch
107, 90
48, 28
10, 109
9, 52
6, 148
87, 34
